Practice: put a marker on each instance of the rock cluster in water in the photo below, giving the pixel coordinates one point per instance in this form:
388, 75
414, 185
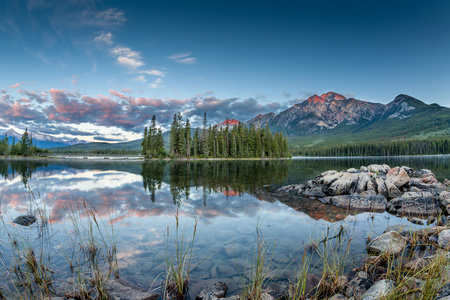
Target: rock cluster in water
400, 190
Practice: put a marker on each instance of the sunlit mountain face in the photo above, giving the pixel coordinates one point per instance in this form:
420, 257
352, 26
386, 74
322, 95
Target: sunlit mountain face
135, 203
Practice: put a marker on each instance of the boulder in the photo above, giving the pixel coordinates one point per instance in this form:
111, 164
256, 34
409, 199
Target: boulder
420, 172
398, 176
381, 187
444, 198
369, 203
412, 203
361, 185
352, 170
392, 189
379, 290
343, 185
25, 220
429, 178
314, 192
363, 169
390, 243
329, 178
377, 169
403, 230
444, 239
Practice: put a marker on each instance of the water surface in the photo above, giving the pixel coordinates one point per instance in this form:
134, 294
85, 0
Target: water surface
231, 201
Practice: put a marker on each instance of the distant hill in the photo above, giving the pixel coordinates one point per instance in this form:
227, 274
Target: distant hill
42, 140
127, 146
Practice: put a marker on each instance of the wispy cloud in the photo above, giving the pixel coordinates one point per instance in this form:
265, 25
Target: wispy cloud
104, 37
15, 86
140, 78
183, 58
156, 84
154, 73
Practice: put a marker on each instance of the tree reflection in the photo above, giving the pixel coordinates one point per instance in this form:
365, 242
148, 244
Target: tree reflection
228, 177
10, 169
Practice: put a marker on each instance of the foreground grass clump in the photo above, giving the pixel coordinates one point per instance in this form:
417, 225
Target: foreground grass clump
33, 261
178, 262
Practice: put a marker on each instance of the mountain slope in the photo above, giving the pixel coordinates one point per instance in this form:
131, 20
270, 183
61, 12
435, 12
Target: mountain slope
41, 140
327, 119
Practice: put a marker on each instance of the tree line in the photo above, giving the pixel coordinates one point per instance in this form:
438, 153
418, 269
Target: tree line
430, 146
23, 147
239, 141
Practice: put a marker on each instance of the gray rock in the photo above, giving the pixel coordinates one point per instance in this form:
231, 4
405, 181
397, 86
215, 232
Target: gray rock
121, 289
379, 290
412, 203
392, 189
444, 239
369, 203
444, 198
361, 186
217, 290
403, 230
329, 178
363, 169
376, 168
390, 243
343, 185
352, 170
314, 192
381, 187
25, 220
330, 172
416, 221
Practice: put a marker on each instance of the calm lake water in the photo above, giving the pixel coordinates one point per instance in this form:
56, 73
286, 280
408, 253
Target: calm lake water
231, 201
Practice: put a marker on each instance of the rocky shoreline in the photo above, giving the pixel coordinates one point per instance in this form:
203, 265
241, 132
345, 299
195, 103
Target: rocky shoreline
400, 190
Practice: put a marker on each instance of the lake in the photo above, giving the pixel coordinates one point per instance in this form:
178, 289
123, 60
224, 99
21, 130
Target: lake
234, 203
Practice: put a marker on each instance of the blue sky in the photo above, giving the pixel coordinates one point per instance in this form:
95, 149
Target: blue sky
101, 69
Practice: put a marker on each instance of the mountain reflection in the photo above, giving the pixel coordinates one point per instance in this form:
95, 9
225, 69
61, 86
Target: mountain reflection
121, 191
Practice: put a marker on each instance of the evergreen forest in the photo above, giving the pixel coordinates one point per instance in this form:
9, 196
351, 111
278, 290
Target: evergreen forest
429, 146
23, 147
239, 141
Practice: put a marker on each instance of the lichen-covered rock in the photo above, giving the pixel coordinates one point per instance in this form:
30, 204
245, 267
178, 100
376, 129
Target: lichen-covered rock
314, 192
390, 243
361, 185
444, 198
358, 202
411, 203
378, 168
343, 185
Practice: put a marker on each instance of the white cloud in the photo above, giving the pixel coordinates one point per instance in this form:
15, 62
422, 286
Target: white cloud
129, 62
156, 84
127, 57
140, 78
154, 73
104, 38
183, 58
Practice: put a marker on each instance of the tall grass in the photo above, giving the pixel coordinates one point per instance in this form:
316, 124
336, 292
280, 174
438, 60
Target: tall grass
178, 263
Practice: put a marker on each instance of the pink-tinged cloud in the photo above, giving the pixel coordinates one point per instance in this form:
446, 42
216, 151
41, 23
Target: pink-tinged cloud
15, 86
39, 98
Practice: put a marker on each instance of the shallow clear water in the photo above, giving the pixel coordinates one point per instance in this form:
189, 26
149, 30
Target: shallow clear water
231, 201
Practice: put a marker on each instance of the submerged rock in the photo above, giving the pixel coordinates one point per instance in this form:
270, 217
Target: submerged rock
217, 290
369, 203
25, 220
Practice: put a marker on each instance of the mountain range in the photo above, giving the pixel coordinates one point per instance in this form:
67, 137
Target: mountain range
42, 140
332, 118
